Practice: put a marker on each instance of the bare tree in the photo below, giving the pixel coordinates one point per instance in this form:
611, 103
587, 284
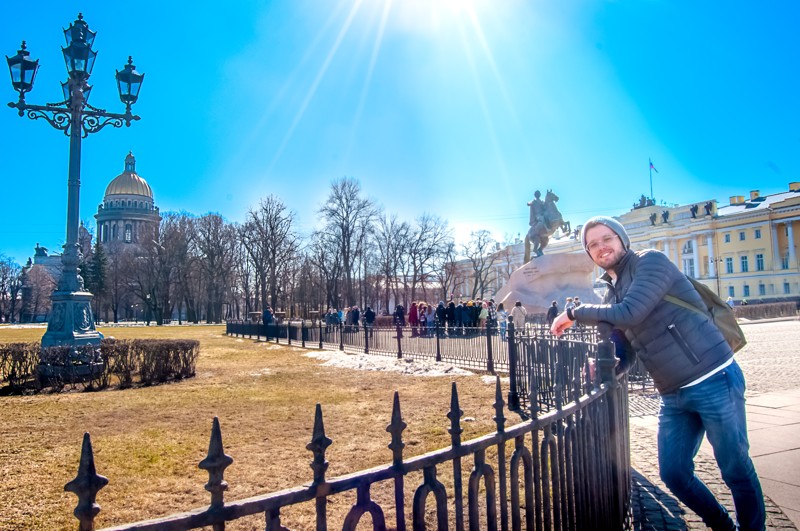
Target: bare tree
40, 286
323, 254
154, 274
215, 244
309, 292
348, 218
178, 233
10, 288
243, 287
119, 263
269, 237
428, 240
444, 269
480, 251
505, 258
392, 241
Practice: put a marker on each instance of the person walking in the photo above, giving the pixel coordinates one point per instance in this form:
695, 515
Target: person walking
518, 315
483, 315
369, 319
692, 366
502, 319
552, 313
413, 318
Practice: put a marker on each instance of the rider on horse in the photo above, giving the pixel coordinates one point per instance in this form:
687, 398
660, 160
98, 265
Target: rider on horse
545, 219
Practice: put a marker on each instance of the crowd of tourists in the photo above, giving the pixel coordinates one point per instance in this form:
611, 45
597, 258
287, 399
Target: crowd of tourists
424, 319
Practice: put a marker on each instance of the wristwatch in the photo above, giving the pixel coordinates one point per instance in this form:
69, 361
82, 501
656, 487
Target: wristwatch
570, 315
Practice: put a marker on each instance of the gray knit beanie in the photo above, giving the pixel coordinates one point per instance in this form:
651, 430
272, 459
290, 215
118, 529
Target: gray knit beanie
609, 222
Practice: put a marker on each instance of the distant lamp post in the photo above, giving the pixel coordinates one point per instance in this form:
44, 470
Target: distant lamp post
716, 262
71, 321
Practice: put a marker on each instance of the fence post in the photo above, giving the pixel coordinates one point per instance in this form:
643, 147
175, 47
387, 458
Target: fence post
489, 359
366, 338
320, 333
399, 337
288, 333
303, 333
606, 364
438, 347
513, 393
341, 336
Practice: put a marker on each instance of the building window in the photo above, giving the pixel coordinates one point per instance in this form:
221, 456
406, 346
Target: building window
113, 232
729, 265
688, 267
757, 234
731, 291
128, 233
785, 262
762, 290
759, 262
746, 291
741, 236
786, 289
745, 268
728, 238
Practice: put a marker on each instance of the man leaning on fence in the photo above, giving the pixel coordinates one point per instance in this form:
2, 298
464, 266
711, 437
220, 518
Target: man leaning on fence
701, 386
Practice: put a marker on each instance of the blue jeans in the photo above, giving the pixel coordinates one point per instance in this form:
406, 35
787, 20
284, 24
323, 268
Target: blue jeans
714, 407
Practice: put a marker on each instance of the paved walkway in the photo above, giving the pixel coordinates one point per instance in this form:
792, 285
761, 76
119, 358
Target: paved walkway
771, 364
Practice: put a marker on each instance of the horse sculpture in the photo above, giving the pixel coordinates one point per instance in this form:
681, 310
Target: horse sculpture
545, 220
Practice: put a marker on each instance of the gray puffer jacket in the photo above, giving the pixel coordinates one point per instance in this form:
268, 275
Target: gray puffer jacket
676, 345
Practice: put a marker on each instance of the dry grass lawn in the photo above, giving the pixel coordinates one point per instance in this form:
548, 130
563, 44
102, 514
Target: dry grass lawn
149, 441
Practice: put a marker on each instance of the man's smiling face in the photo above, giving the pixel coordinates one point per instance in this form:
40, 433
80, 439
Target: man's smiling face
604, 246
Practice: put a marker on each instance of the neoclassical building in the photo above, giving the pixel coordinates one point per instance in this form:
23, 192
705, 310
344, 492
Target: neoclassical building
127, 213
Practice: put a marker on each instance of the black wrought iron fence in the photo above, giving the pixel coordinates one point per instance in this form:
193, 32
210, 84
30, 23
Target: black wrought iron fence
476, 348
567, 469
528, 353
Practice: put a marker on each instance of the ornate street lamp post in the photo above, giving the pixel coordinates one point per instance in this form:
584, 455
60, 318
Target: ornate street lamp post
71, 321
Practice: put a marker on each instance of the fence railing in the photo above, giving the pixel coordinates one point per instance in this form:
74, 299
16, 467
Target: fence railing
566, 469
476, 348
525, 353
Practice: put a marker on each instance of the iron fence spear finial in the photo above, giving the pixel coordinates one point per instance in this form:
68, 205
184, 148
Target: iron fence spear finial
86, 486
455, 415
499, 405
319, 443
215, 463
396, 428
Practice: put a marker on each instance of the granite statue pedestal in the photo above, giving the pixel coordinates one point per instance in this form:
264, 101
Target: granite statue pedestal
549, 278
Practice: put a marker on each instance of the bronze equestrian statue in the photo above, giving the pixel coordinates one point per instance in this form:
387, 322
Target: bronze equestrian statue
544, 221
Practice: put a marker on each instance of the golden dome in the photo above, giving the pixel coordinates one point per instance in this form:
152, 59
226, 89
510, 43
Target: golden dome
128, 182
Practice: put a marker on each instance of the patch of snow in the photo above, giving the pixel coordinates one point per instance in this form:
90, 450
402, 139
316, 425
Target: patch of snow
365, 362
490, 380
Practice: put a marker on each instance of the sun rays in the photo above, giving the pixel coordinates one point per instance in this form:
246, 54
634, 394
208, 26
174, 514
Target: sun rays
354, 36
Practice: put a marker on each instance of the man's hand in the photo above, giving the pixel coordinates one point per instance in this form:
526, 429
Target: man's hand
561, 323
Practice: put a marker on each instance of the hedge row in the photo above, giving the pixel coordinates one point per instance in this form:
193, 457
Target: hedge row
24, 366
18, 363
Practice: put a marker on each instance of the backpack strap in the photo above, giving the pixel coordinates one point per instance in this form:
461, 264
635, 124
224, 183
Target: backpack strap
683, 304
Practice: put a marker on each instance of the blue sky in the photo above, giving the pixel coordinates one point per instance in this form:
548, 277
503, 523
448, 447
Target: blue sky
458, 108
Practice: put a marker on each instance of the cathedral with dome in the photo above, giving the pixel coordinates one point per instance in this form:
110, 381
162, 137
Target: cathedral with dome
127, 213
